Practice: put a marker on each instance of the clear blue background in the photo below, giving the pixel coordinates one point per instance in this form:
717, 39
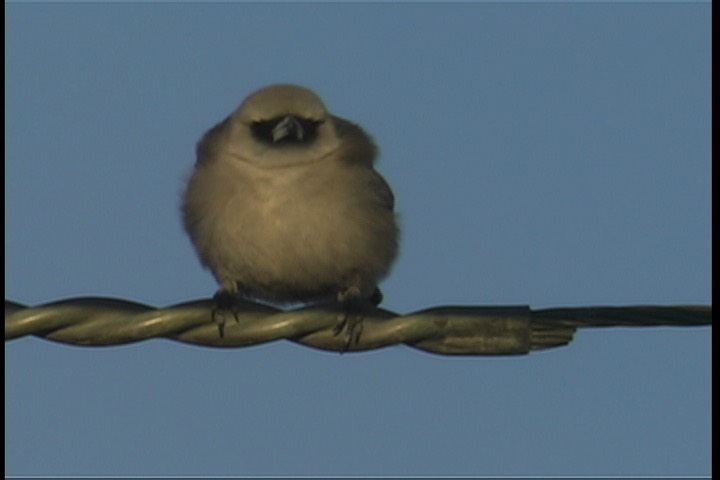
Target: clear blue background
542, 154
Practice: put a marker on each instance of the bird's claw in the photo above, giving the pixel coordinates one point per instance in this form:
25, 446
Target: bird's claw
223, 301
354, 309
352, 322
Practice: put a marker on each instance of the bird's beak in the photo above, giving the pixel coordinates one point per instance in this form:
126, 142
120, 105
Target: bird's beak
288, 126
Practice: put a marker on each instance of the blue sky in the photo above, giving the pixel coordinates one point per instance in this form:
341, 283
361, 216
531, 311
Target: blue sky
541, 154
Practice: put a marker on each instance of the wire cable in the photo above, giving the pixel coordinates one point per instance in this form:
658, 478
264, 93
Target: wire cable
448, 330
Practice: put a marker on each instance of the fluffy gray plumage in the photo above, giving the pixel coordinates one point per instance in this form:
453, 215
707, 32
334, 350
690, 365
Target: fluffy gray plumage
284, 203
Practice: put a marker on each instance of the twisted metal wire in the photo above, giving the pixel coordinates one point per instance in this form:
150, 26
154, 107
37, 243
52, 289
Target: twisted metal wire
449, 330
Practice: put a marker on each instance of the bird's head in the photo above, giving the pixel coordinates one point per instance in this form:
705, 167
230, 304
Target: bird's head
282, 125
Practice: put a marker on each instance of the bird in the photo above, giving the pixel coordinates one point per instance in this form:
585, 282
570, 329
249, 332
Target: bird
284, 205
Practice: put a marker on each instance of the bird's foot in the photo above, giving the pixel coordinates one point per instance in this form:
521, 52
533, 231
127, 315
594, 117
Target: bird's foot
351, 319
352, 322
223, 303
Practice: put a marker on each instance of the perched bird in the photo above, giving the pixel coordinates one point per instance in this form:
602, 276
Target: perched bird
284, 205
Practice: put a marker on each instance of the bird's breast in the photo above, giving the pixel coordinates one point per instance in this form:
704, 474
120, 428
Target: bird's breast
305, 221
